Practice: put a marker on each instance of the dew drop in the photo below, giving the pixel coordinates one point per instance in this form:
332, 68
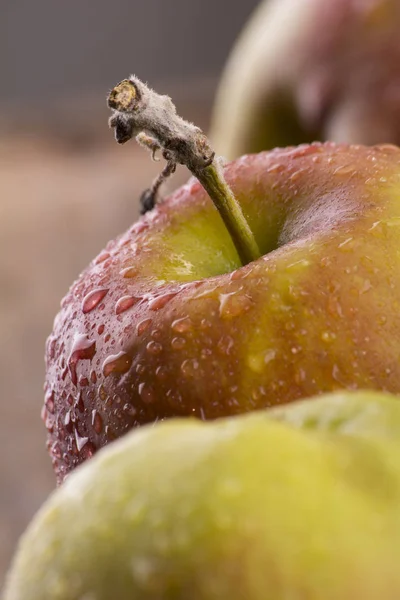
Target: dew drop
328, 336
129, 410
80, 440
347, 244
129, 272
159, 302
190, 367
233, 304
154, 347
101, 258
102, 393
117, 363
43, 413
97, 422
67, 419
177, 343
142, 326
125, 303
82, 349
366, 286
344, 170
205, 324
88, 450
100, 329
146, 393
182, 325
55, 450
161, 372
139, 227
49, 402
93, 299
269, 355
93, 377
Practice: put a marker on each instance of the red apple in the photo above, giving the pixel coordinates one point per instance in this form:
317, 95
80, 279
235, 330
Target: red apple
167, 322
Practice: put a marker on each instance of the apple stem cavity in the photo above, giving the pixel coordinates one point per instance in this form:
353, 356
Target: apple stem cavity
152, 120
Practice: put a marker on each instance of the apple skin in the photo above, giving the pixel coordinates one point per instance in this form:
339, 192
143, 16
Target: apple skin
302, 501
165, 323
311, 70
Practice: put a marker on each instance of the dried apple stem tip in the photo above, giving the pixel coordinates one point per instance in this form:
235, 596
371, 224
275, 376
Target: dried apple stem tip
141, 113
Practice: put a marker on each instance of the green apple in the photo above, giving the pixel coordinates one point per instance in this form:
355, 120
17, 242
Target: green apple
295, 502
308, 70
167, 322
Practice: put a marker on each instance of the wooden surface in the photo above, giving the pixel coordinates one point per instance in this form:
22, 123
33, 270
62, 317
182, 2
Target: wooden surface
59, 207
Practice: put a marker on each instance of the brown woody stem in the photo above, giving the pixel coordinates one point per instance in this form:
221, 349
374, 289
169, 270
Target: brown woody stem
140, 112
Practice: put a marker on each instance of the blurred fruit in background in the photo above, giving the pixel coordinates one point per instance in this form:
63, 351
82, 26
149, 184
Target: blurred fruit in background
311, 70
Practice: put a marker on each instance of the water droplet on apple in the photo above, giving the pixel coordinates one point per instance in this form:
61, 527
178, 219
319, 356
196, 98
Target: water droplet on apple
100, 329
146, 393
366, 286
93, 377
49, 401
276, 168
337, 375
160, 301
102, 393
117, 363
80, 440
298, 264
125, 303
256, 362
328, 336
258, 393
233, 304
387, 148
347, 245
139, 227
190, 367
142, 326
97, 422
88, 451
82, 349
269, 355
129, 410
93, 299
154, 347
177, 343
129, 272
55, 450
182, 325
205, 324
344, 170
101, 258
161, 372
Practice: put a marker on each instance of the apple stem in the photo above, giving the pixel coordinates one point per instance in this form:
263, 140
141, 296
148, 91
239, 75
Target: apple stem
140, 112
